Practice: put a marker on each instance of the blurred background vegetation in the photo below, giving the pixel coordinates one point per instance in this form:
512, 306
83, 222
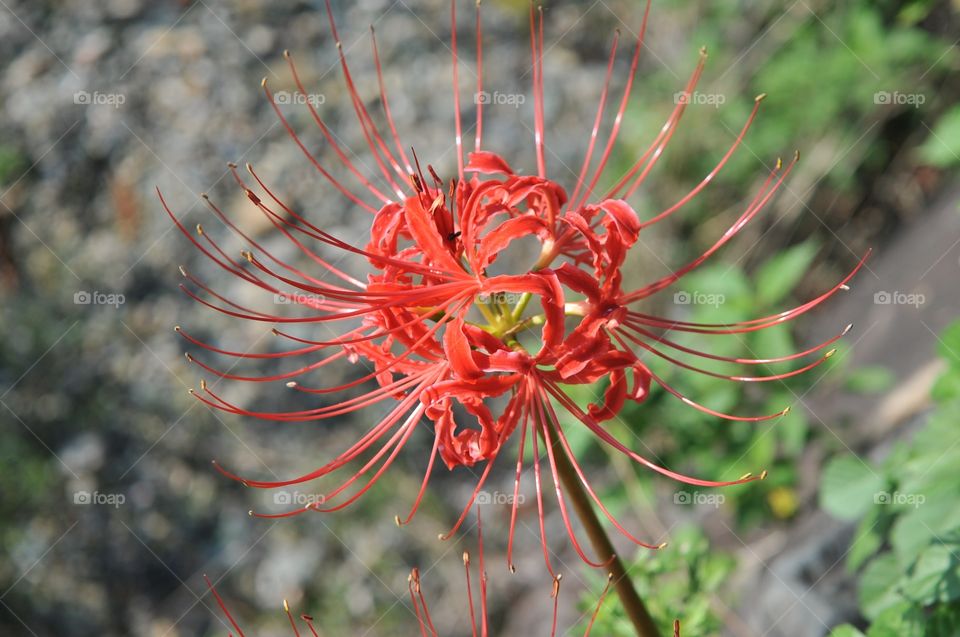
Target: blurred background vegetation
92, 395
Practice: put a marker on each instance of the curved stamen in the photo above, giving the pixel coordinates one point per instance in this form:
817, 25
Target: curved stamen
710, 176
596, 121
606, 437
730, 359
612, 140
456, 87
752, 210
329, 136
386, 104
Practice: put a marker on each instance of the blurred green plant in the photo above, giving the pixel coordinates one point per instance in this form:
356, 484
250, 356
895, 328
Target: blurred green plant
942, 148
830, 71
681, 581
12, 163
906, 548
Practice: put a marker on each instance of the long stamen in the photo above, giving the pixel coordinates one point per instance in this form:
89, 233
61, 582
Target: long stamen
313, 160
624, 101
586, 484
535, 53
386, 104
713, 173
606, 437
293, 624
466, 568
223, 606
544, 430
731, 359
668, 126
516, 482
756, 206
536, 479
741, 379
328, 136
479, 133
596, 121
555, 594
596, 609
456, 86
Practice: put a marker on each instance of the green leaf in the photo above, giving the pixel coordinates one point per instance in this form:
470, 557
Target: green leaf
849, 487
880, 585
934, 514
781, 273
947, 386
867, 540
935, 576
949, 344
902, 620
870, 380
942, 147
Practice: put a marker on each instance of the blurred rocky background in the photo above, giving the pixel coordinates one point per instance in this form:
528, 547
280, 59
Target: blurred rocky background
110, 511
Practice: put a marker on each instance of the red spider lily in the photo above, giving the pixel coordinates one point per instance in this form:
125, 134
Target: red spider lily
479, 618
440, 334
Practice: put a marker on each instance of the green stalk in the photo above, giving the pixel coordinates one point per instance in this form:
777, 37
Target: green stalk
635, 608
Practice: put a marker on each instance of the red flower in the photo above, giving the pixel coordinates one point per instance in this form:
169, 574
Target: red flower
446, 340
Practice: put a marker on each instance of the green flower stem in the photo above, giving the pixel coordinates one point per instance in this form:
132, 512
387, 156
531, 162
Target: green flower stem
632, 604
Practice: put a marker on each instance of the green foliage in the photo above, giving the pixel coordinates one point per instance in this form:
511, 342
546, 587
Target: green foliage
908, 540
778, 276
822, 67
11, 164
942, 148
849, 487
869, 380
677, 582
